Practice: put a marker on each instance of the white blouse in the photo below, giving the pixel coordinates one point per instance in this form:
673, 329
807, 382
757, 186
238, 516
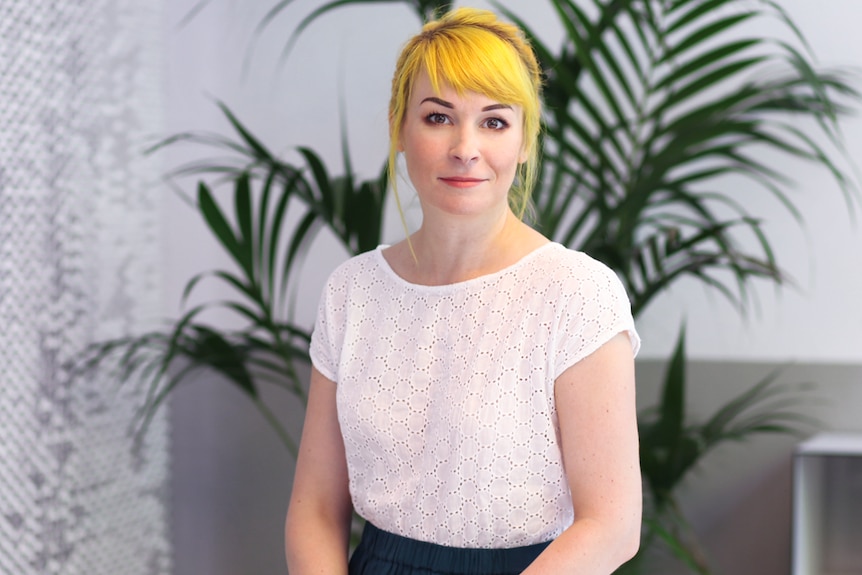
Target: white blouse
446, 393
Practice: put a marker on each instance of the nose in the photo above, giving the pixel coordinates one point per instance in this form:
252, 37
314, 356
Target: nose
465, 146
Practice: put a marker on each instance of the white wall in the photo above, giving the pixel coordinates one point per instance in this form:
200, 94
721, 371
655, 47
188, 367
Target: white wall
819, 318
349, 56
346, 58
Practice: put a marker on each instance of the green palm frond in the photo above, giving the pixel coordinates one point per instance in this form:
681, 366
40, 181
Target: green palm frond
351, 209
671, 445
650, 104
251, 225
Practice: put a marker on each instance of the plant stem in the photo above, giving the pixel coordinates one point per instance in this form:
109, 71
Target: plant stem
277, 427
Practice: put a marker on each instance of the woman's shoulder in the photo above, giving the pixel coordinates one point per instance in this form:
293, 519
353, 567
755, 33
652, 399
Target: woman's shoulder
570, 273
358, 266
564, 261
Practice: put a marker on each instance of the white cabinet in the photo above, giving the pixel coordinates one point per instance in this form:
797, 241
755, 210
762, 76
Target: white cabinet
827, 505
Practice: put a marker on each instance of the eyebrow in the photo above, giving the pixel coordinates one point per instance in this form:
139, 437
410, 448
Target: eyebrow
449, 105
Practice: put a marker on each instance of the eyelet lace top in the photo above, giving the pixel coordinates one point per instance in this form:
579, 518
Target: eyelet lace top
445, 394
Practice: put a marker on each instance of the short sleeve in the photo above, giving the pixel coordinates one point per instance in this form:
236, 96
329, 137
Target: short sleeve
322, 348
596, 310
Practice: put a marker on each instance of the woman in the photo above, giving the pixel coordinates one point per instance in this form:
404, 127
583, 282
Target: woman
472, 395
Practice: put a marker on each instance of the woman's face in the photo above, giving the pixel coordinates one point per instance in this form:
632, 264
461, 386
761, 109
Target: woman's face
462, 151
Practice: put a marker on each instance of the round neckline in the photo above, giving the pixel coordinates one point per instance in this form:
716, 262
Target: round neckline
445, 287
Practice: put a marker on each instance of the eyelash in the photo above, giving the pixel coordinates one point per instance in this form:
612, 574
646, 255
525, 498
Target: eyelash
432, 118
503, 123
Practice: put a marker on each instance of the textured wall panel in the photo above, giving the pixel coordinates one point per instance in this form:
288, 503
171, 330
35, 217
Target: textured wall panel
79, 93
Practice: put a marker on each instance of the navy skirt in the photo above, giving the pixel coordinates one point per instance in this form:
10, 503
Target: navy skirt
382, 553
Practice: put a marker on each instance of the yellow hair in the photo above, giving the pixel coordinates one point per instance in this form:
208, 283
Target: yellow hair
473, 51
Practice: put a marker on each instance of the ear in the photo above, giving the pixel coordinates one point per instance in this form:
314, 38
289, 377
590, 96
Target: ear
523, 156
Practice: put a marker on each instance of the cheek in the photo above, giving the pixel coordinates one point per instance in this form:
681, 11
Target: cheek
511, 160
416, 160
419, 152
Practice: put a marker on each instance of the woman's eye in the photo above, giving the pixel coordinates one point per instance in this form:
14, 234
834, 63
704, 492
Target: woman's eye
436, 118
496, 123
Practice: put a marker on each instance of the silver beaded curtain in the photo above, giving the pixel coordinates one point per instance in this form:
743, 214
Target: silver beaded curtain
80, 93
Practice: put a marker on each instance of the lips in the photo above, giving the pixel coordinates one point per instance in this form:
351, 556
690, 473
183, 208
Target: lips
461, 182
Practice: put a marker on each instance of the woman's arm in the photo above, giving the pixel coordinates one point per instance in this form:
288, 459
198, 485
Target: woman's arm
317, 528
595, 401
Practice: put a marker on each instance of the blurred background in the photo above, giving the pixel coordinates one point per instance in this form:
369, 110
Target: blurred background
96, 245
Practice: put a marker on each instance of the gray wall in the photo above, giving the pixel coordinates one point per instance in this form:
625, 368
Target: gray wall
231, 477
739, 500
230, 482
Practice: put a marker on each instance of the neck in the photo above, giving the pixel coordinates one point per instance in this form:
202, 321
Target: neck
457, 251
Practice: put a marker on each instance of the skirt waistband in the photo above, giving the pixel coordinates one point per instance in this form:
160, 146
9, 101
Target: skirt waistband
384, 553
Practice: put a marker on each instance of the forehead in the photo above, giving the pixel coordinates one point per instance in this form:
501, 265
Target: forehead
422, 88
